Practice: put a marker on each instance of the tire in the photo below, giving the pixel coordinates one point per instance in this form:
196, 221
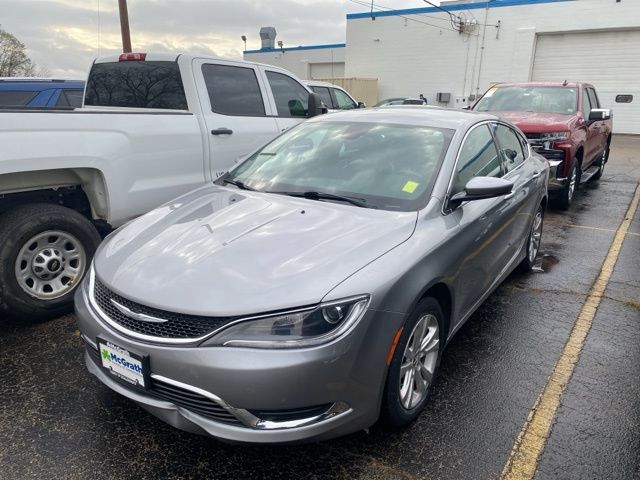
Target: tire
533, 241
565, 196
395, 412
45, 250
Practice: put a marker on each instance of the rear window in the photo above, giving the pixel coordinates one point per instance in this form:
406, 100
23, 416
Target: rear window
15, 98
140, 84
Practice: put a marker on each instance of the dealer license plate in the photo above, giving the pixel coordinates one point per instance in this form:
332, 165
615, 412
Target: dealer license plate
123, 364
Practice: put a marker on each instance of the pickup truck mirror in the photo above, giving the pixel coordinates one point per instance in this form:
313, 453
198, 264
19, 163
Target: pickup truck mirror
598, 114
316, 107
362, 105
479, 188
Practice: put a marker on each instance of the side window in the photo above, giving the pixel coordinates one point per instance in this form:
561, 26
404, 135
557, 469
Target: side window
510, 146
478, 158
324, 94
13, 98
62, 100
593, 98
344, 102
74, 97
233, 90
292, 99
586, 105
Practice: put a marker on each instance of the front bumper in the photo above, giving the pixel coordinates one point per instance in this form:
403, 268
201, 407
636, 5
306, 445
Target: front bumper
557, 180
343, 379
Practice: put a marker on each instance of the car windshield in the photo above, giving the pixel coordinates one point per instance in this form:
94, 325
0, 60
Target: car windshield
385, 166
562, 100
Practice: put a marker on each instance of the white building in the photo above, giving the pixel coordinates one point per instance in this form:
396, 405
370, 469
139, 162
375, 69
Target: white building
475, 43
307, 62
420, 50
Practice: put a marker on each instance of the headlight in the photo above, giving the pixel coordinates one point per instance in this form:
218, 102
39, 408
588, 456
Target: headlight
552, 136
297, 328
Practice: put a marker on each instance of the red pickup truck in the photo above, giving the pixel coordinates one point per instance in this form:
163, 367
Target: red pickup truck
563, 122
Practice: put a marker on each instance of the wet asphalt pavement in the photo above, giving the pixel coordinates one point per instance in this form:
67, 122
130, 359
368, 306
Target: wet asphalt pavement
58, 421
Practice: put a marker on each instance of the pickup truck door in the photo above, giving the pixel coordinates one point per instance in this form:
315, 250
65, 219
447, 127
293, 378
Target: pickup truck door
591, 142
600, 133
237, 115
288, 98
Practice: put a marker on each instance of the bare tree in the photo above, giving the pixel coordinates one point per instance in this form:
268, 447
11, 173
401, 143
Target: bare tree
14, 61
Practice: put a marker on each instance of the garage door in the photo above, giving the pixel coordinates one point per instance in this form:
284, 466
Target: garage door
610, 60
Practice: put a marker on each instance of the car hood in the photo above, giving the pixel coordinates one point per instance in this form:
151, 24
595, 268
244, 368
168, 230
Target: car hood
531, 122
220, 251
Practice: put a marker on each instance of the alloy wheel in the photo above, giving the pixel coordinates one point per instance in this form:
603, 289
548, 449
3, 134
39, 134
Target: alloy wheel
49, 264
535, 237
572, 183
419, 361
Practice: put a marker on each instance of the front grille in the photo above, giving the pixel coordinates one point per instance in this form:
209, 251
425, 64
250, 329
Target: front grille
549, 154
181, 397
178, 326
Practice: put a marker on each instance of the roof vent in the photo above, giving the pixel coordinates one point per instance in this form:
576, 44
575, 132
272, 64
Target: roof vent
268, 36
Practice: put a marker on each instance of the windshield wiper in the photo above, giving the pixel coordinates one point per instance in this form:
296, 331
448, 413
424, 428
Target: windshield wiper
358, 202
237, 183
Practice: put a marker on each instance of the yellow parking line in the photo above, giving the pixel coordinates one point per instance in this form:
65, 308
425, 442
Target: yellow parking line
530, 443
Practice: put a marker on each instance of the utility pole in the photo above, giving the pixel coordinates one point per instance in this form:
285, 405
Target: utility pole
124, 26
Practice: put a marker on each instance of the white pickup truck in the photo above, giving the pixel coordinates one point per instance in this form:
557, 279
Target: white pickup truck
153, 126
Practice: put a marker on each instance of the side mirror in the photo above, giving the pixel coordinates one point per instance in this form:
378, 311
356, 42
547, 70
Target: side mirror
362, 105
315, 105
510, 154
479, 188
598, 114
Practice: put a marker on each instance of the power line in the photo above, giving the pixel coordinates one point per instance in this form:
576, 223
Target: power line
382, 8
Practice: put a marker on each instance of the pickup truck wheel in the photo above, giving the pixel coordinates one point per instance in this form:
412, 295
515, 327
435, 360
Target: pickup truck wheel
415, 363
565, 196
601, 163
45, 251
533, 242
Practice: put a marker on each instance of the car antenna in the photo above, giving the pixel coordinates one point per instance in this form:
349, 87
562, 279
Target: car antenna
564, 84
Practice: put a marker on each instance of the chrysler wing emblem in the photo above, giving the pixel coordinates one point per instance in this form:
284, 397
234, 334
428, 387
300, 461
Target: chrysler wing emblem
135, 315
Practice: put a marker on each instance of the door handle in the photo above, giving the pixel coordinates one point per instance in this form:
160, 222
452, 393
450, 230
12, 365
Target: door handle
536, 175
222, 131
510, 195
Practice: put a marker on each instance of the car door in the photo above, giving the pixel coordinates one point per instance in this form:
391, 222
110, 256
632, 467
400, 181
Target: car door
342, 100
599, 127
289, 99
590, 144
237, 116
325, 95
524, 172
484, 225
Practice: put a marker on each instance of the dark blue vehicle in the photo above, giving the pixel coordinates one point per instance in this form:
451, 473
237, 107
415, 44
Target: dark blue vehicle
40, 93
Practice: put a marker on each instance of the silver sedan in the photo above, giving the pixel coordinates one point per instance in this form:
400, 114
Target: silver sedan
314, 287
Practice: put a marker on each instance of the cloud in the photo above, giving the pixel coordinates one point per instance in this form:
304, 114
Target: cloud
64, 36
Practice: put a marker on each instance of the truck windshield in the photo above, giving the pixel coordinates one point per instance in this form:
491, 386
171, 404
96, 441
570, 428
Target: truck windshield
390, 167
140, 84
562, 100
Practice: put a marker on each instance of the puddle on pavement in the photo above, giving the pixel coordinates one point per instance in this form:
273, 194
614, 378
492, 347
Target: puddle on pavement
545, 263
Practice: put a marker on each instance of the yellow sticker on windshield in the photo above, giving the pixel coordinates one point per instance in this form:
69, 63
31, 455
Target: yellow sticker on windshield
410, 186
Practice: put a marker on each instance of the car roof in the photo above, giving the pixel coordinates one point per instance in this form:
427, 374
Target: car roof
317, 83
38, 84
420, 115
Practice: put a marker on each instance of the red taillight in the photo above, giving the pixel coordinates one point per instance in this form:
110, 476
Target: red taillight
125, 57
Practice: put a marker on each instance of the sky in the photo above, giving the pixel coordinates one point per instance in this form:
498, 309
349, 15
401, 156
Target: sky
64, 36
